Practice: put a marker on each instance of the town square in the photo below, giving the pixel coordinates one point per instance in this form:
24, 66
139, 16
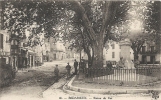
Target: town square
80, 49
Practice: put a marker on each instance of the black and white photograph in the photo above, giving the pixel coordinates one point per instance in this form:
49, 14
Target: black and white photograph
80, 50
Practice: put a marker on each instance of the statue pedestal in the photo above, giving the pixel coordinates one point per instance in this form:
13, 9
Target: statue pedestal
125, 53
129, 64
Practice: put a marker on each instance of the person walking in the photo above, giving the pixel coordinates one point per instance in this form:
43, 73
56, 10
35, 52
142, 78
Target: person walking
56, 72
68, 68
75, 66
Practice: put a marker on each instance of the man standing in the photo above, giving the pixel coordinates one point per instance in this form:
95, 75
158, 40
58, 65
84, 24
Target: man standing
68, 67
56, 72
75, 66
109, 65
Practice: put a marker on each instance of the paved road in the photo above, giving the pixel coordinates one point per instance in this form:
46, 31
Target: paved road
31, 84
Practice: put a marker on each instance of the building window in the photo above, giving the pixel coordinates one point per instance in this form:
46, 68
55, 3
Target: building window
113, 54
1, 41
16, 43
144, 59
143, 48
12, 42
113, 46
11, 50
152, 48
152, 59
16, 51
6, 39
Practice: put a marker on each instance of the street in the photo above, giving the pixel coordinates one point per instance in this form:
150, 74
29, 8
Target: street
32, 83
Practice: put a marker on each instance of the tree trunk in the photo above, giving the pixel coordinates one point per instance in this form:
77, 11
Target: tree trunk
135, 55
98, 55
89, 58
89, 61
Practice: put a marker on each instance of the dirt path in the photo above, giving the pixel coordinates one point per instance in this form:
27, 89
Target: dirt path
31, 84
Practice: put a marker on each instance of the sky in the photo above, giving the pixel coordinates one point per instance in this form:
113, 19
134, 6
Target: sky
136, 14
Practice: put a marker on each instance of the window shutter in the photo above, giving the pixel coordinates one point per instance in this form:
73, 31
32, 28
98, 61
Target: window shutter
1, 41
113, 54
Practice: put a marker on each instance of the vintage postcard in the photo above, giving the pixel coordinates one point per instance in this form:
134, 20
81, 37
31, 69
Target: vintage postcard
80, 50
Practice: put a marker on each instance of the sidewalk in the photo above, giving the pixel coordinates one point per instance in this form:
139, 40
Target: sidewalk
77, 87
81, 86
55, 91
98, 91
61, 90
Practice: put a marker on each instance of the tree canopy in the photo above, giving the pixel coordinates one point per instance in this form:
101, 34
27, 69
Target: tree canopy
88, 24
142, 24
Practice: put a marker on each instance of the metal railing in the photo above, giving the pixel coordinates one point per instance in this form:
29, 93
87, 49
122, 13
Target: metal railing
140, 75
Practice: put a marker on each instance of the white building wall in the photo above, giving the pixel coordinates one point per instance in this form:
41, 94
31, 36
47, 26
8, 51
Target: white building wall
108, 53
60, 50
39, 51
6, 44
116, 51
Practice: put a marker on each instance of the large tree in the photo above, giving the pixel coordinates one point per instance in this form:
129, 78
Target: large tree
96, 18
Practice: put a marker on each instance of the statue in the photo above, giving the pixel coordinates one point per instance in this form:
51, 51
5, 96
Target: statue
121, 63
125, 53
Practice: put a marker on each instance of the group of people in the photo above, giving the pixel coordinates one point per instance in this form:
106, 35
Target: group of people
68, 68
82, 64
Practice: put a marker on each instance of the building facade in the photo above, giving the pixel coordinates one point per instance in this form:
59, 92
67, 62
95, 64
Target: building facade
4, 47
57, 50
149, 53
113, 52
4, 40
46, 51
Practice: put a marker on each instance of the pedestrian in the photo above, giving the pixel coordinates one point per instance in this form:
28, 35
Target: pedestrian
109, 65
68, 67
56, 72
75, 66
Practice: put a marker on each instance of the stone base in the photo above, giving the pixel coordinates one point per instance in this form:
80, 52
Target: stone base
129, 64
